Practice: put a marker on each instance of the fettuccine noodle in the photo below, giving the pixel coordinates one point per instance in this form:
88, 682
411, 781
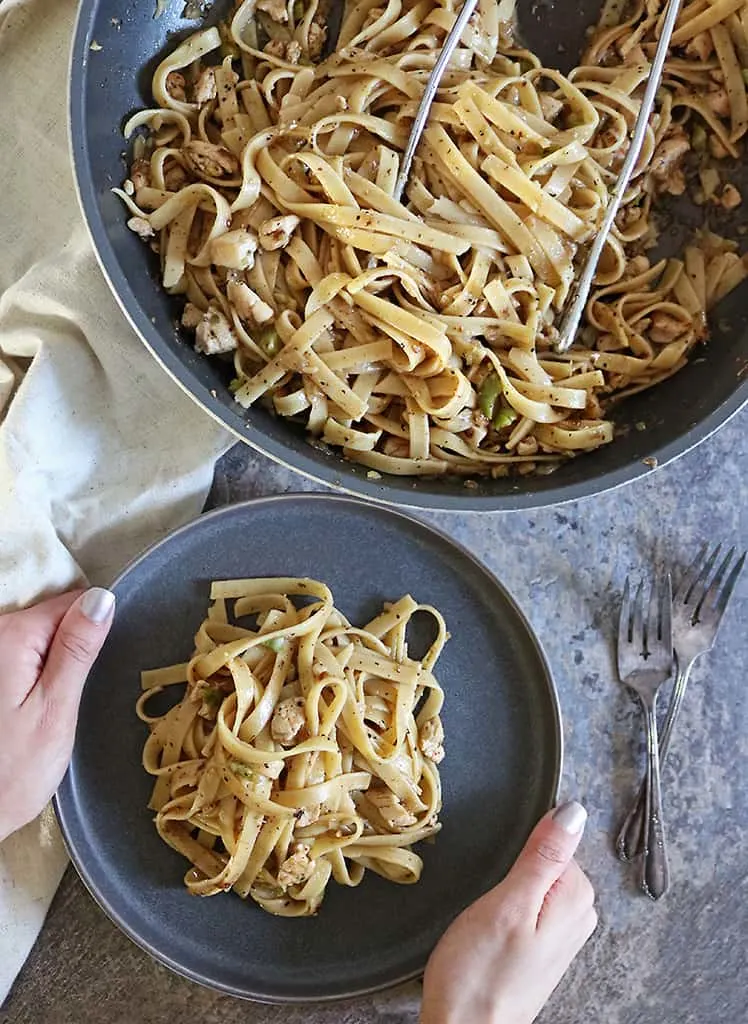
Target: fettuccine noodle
418, 336
303, 749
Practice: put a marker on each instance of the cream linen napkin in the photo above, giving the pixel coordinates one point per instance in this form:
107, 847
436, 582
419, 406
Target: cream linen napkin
100, 453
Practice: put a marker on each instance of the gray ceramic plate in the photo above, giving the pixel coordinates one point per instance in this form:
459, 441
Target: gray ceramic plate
501, 772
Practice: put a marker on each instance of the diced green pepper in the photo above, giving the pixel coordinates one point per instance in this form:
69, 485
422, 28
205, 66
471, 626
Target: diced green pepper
234, 384
269, 341
276, 643
504, 417
212, 696
298, 10
241, 769
698, 139
488, 395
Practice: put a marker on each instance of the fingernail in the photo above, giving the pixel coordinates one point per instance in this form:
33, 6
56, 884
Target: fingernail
97, 604
571, 816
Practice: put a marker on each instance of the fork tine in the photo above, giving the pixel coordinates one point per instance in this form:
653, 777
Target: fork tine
690, 575
653, 618
637, 622
723, 599
710, 595
666, 614
624, 618
697, 590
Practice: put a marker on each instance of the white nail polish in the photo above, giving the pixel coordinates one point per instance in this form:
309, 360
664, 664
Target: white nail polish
571, 816
97, 604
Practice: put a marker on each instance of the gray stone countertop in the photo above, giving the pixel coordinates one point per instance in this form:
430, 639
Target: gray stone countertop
681, 961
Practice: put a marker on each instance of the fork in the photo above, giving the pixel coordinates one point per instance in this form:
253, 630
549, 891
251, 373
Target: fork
645, 661
698, 608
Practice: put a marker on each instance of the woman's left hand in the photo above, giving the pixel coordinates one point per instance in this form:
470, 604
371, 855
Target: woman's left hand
46, 652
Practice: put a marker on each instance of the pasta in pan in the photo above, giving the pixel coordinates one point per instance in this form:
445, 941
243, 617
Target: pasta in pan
418, 336
303, 749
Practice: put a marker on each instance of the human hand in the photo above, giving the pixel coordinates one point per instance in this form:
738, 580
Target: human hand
500, 960
46, 652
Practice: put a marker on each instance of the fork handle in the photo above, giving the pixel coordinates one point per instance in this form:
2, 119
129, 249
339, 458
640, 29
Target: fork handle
655, 874
630, 841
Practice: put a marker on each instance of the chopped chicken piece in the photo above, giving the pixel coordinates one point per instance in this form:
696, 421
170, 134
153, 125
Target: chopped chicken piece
527, 446
592, 409
396, 446
376, 13
141, 227
191, 316
140, 173
607, 138
676, 183
214, 334
234, 250
700, 46
394, 814
638, 265
431, 737
730, 197
276, 48
175, 177
248, 304
206, 158
275, 8
341, 102
308, 815
296, 868
276, 232
665, 328
317, 37
205, 87
669, 152
719, 101
550, 106
176, 86
288, 720
627, 217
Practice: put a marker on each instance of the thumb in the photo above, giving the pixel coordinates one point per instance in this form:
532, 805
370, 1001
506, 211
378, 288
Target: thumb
74, 648
547, 853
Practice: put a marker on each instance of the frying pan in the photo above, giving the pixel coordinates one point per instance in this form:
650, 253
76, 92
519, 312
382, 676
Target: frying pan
111, 80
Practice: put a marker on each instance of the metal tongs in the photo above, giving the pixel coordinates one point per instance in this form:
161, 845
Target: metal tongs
580, 290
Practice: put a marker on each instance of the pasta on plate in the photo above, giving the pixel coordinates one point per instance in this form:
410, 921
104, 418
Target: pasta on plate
303, 748
418, 336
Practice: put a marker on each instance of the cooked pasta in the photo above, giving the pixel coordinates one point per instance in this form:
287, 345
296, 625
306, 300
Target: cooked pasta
303, 748
418, 336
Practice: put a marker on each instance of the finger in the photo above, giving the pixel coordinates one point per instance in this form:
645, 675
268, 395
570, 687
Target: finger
73, 651
25, 636
569, 899
547, 854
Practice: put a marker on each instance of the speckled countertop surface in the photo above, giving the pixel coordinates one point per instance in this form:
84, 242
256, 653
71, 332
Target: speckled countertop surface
679, 962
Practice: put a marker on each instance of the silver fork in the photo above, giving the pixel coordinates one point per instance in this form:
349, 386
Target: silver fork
645, 661
698, 607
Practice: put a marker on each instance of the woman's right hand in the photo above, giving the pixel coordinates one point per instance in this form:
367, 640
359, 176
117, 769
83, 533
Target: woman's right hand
502, 958
46, 652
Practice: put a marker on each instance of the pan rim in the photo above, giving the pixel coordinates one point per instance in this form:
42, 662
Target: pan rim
352, 481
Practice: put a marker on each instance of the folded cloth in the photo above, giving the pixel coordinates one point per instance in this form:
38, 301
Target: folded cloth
100, 453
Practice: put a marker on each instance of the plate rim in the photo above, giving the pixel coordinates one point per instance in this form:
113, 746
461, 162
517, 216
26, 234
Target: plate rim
396, 492
65, 801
